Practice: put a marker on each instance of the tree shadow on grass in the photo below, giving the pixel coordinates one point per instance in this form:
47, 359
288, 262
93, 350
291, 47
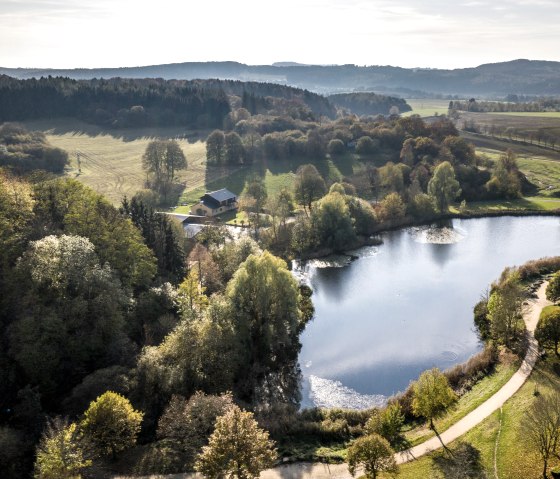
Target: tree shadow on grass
63, 126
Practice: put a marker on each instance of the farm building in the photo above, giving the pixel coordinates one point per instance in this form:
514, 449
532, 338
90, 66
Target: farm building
215, 203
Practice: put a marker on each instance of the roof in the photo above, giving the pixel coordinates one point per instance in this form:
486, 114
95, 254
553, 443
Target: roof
209, 201
221, 195
191, 230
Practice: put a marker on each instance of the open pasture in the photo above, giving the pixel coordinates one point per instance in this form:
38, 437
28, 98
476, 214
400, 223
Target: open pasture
427, 107
110, 161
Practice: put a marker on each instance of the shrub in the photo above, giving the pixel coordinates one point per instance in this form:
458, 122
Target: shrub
463, 376
111, 424
336, 147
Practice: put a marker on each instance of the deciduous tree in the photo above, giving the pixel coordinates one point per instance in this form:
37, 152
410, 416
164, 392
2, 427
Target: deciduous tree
374, 454
309, 186
431, 395
215, 147
443, 186
548, 328
553, 288
238, 448
59, 453
111, 424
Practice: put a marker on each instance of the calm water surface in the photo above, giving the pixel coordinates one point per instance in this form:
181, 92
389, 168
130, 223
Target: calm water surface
406, 305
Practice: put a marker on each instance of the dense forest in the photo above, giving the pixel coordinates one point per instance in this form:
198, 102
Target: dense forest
97, 299
121, 103
113, 103
523, 77
365, 103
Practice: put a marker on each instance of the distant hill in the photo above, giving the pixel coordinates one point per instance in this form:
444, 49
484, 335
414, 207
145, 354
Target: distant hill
522, 77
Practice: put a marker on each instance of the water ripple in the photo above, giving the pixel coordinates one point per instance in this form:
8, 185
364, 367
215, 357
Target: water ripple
333, 394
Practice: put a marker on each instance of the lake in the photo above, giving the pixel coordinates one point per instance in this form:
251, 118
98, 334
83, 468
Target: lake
406, 306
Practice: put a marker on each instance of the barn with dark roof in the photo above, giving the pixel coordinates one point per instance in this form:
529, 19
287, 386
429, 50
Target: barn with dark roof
215, 203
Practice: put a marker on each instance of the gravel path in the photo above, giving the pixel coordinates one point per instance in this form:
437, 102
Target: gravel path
475, 417
495, 402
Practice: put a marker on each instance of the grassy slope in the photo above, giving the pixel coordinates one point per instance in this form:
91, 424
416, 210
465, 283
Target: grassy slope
111, 160
515, 460
540, 165
484, 389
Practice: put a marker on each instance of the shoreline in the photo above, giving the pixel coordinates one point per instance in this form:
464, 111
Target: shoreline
408, 222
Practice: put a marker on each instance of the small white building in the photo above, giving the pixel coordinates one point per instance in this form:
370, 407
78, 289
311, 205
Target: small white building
215, 203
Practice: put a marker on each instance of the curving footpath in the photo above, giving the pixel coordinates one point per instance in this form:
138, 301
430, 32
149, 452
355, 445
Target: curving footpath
492, 404
475, 417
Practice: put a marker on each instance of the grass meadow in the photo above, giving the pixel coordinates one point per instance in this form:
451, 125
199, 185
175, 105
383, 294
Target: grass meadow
427, 107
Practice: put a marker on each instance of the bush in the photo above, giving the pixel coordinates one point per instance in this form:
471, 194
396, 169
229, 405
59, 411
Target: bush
463, 376
539, 267
366, 146
336, 147
189, 423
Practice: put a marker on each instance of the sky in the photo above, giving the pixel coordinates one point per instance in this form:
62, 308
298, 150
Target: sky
407, 33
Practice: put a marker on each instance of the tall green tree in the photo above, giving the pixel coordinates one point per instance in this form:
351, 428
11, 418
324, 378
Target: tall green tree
69, 207
60, 454
253, 198
215, 147
162, 234
553, 288
505, 181
333, 222
443, 186
70, 315
265, 302
548, 328
309, 186
111, 424
162, 159
431, 395
235, 151
388, 423
238, 448
504, 310
372, 453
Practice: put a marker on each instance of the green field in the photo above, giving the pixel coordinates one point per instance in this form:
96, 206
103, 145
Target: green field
427, 107
523, 127
111, 164
514, 459
111, 160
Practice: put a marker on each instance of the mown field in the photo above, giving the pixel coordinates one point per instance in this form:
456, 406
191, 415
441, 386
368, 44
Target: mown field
427, 107
111, 160
522, 125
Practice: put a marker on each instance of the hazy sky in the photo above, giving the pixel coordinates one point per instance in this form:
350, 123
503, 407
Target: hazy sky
427, 33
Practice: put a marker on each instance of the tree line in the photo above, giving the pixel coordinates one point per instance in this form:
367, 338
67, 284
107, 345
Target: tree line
538, 105
22, 151
368, 103
114, 103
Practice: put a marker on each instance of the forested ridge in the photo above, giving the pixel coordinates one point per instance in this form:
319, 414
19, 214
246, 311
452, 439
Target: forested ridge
526, 77
121, 103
